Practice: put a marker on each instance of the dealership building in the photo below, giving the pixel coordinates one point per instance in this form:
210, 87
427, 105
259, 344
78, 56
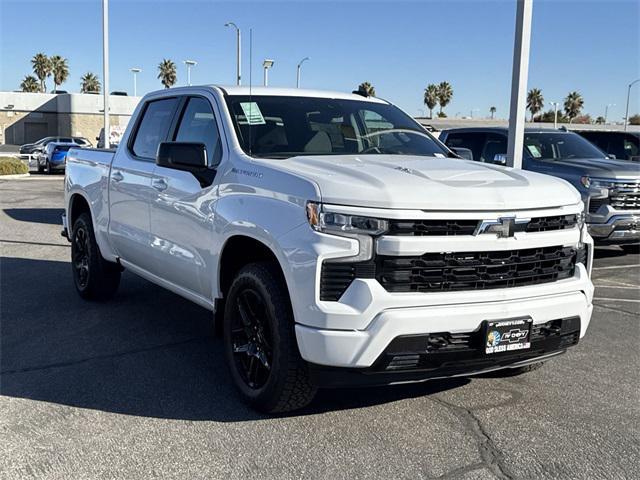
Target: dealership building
27, 117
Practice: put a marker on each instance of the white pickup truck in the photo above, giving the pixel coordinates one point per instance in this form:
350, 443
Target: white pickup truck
337, 241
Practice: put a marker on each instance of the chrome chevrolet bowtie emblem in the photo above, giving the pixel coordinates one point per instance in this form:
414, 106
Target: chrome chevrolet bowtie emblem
503, 226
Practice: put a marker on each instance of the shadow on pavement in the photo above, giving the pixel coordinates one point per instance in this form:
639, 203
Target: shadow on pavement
147, 352
52, 216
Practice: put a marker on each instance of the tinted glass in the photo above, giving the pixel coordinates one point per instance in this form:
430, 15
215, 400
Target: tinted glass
559, 146
474, 141
281, 127
495, 145
65, 140
198, 124
153, 127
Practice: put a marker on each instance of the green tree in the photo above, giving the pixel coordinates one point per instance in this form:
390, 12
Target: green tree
492, 111
600, 120
548, 116
431, 98
445, 93
167, 73
535, 101
367, 89
30, 84
59, 70
90, 83
42, 69
634, 119
573, 104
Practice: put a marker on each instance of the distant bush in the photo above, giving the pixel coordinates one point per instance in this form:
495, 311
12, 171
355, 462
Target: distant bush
12, 166
634, 119
442, 115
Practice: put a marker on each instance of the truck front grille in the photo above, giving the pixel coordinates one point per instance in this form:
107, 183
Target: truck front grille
625, 199
422, 228
475, 271
438, 272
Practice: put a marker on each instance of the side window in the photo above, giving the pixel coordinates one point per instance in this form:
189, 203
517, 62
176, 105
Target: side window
495, 145
198, 124
154, 126
474, 141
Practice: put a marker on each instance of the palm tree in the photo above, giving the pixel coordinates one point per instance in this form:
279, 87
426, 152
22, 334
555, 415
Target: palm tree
367, 89
30, 84
573, 104
167, 73
600, 120
90, 83
431, 98
42, 69
59, 70
492, 111
535, 101
445, 92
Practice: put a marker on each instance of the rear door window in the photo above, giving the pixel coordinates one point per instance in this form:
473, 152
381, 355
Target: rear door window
153, 127
474, 141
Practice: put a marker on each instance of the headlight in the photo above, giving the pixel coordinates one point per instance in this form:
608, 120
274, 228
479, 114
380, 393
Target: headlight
344, 224
590, 182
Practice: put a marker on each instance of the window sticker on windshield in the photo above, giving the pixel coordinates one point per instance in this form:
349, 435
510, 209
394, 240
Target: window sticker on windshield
252, 113
534, 151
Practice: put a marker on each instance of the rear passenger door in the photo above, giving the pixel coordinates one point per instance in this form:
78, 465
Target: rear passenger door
130, 191
182, 208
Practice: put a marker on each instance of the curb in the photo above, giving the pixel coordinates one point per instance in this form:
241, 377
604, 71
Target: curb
13, 176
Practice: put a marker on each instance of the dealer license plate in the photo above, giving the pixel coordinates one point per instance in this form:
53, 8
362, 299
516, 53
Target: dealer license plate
507, 335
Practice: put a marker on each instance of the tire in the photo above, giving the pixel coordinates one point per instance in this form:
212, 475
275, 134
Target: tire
40, 167
47, 168
635, 248
260, 343
93, 277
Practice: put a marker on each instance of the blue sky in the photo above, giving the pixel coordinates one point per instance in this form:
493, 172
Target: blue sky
399, 46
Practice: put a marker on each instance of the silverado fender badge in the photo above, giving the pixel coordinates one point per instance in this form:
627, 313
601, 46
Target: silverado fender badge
503, 227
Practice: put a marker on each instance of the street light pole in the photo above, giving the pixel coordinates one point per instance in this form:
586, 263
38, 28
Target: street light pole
606, 111
626, 115
266, 65
135, 72
555, 114
105, 72
519, 83
238, 50
189, 64
298, 71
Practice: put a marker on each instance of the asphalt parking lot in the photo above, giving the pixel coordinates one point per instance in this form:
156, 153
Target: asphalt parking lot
137, 388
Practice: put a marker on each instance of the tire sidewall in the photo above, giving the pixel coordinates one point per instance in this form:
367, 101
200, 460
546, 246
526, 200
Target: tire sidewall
83, 223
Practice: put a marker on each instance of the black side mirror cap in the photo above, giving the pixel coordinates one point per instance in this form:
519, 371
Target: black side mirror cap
462, 152
187, 156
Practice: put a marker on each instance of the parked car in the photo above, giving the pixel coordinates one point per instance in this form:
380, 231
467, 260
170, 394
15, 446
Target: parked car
610, 188
30, 148
622, 145
54, 156
333, 237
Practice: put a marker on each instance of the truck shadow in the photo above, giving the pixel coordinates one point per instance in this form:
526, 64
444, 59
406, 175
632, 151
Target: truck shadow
51, 216
147, 352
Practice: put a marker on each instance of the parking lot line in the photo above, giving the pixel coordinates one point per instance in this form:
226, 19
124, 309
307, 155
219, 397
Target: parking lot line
606, 299
612, 267
617, 287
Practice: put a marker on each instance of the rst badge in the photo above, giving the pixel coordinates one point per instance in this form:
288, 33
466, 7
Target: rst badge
503, 227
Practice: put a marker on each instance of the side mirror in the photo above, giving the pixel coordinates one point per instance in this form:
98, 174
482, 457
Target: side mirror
189, 156
612, 156
462, 152
500, 159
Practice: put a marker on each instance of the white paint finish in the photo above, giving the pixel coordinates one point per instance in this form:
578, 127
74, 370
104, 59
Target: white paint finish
520, 76
174, 237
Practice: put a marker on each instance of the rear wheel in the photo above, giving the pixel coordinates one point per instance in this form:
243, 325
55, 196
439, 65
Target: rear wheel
260, 343
94, 277
47, 168
40, 167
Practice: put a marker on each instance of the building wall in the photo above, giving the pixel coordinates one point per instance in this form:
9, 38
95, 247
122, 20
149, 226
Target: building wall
27, 117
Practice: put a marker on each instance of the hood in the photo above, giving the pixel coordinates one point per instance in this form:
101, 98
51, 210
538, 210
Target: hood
600, 167
428, 183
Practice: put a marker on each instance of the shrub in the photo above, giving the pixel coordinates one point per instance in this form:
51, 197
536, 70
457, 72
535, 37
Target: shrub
634, 119
12, 166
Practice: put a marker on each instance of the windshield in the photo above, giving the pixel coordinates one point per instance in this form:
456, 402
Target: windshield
281, 127
559, 146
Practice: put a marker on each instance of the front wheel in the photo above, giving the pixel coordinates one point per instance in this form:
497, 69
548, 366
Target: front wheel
47, 168
94, 277
260, 343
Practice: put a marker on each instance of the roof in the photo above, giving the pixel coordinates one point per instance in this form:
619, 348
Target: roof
503, 130
294, 92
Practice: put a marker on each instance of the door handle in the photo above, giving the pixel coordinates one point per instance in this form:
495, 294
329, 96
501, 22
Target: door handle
117, 176
159, 184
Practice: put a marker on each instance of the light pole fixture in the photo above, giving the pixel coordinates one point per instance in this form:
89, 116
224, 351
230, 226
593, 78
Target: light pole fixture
189, 64
135, 71
238, 50
105, 73
626, 115
266, 65
606, 111
555, 114
298, 71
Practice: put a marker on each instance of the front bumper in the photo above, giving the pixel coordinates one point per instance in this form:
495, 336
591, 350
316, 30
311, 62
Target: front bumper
624, 228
